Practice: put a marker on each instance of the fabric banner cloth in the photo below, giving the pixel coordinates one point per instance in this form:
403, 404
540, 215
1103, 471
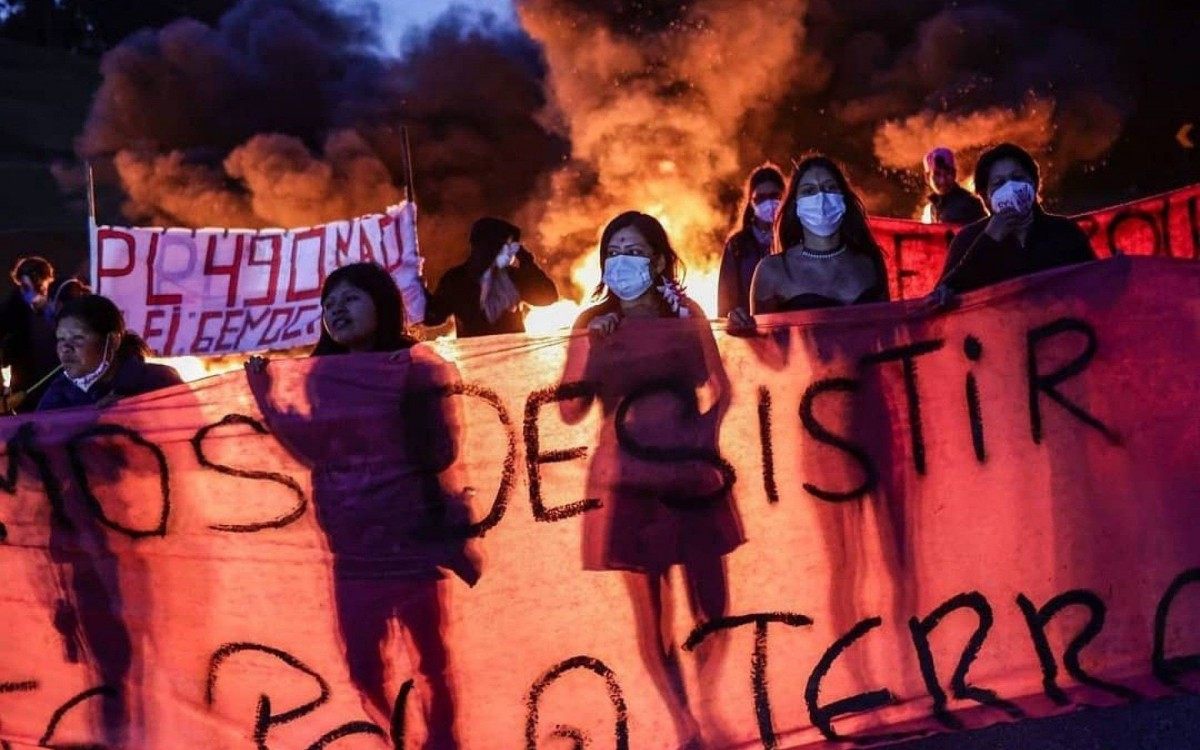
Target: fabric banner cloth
219, 291
855, 525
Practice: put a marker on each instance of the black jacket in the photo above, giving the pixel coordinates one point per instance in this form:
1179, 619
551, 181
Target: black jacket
957, 207
742, 255
27, 344
976, 260
457, 294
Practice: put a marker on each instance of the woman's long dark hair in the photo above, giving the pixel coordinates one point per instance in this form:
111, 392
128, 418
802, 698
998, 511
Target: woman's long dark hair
389, 308
656, 237
767, 172
855, 231
102, 317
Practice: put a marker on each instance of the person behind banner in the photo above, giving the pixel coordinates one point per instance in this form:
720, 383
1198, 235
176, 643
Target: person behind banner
485, 293
101, 360
641, 275
751, 242
653, 513
828, 257
1019, 238
391, 522
27, 335
950, 202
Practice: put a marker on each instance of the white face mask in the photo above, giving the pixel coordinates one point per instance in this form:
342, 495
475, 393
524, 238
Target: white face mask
1014, 195
84, 382
822, 213
627, 276
765, 211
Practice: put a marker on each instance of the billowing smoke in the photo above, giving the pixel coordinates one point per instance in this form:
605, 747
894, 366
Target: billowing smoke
908, 76
662, 111
286, 114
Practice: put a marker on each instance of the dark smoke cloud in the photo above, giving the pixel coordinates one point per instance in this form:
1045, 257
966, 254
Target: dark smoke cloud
911, 75
284, 114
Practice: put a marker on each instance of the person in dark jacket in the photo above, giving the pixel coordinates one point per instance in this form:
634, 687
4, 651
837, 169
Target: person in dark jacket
1019, 237
27, 335
751, 242
101, 360
485, 293
951, 202
828, 256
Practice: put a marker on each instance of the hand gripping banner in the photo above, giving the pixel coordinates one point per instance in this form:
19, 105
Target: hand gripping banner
857, 525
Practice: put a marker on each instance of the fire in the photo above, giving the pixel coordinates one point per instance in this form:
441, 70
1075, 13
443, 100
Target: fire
197, 368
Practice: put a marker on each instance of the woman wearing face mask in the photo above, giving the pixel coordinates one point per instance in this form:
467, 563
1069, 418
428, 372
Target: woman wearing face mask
484, 294
101, 361
1018, 238
749, 244
658, 508
640, 276
377, 460
829, 257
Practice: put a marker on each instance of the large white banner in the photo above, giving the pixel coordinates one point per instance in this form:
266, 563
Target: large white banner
218, 291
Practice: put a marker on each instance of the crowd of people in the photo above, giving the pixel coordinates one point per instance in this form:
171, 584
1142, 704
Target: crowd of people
803, 242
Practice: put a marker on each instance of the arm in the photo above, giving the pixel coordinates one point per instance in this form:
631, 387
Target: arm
1080, 249
534, 285
762, 288
440, 305
727, 281
962, 269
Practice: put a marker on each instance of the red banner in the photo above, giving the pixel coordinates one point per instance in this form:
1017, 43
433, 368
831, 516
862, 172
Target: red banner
858, 524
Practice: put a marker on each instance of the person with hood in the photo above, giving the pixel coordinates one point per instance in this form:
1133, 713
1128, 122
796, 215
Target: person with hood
484, 294
101, 360
750, 243
951, 203
1019, 237
27, 335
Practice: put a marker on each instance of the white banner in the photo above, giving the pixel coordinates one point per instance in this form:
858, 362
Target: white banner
219, 291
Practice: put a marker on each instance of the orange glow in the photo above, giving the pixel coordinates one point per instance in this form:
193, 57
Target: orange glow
197, 368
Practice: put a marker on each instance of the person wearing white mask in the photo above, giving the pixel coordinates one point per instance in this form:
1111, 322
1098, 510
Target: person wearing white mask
1019, 237
826, 255
750, 243
641, 276
101, 360
485, 294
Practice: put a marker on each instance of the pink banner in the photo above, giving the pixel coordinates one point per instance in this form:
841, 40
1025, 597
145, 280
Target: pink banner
858, 524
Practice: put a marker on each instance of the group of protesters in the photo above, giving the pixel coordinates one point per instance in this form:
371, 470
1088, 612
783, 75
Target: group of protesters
803, 242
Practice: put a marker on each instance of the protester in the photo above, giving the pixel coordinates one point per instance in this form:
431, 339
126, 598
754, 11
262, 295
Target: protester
101, 360
640, 276
750, 243
656, 509
361, 311
377, 461
484, 293
829, 257
1019, 238
951, 203
27, 335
